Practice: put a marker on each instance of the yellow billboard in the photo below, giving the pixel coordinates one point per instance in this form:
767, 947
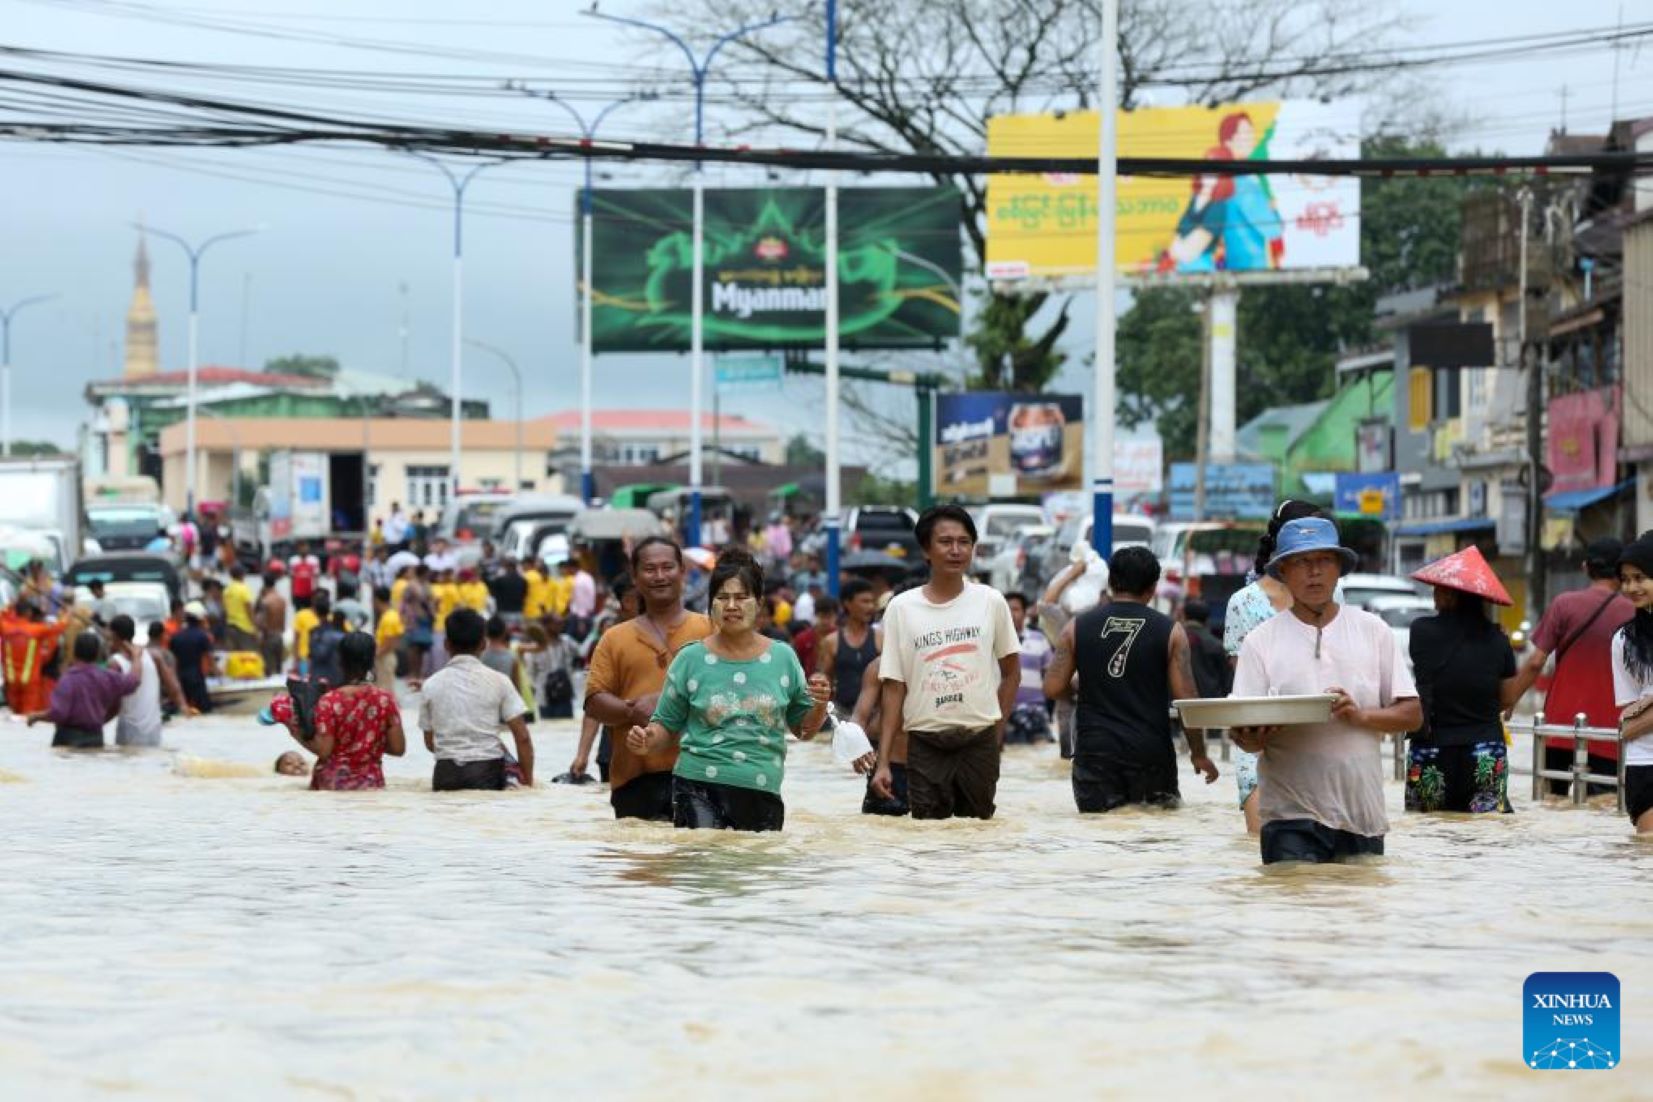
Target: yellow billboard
1044, 226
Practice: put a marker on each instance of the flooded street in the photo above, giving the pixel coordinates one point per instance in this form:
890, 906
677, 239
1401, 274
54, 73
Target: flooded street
187, 922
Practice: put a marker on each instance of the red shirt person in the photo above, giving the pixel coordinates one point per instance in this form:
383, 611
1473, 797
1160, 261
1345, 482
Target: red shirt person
1578, 630
303, 569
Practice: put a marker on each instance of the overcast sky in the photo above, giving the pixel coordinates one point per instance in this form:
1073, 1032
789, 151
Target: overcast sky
346, 229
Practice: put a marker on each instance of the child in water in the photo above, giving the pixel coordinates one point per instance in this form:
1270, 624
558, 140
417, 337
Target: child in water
292, 764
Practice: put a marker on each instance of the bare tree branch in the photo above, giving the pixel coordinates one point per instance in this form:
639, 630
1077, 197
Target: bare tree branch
925, 76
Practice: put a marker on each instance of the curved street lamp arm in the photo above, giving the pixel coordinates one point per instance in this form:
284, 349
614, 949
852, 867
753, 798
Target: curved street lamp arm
694, 64
32, 300
742, 32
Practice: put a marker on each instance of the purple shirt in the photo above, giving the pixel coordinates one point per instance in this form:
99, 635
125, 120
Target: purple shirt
87, 697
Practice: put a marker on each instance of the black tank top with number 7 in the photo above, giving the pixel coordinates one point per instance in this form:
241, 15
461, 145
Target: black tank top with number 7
1121, 651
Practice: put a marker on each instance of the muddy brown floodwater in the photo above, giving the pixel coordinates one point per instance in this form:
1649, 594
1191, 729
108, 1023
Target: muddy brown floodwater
185, 922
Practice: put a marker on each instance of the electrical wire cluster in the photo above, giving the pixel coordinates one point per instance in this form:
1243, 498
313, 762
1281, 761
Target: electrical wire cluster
100, 100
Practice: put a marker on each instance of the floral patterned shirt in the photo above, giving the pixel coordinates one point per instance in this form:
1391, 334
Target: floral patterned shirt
360, 719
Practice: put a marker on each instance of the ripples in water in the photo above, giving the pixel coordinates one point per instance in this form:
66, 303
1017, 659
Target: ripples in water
187, 922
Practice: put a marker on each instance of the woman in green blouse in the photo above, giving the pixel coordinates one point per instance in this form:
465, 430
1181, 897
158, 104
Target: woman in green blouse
729, 702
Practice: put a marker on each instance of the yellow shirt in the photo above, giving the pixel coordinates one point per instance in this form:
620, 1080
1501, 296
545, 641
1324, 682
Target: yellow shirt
238, 607
397, 587
474, 595
389, 628
304, 623
783, 614
446, 596
562, 591
538, 601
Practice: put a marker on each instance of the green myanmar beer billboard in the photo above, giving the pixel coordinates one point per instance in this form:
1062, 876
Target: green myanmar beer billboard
899, 268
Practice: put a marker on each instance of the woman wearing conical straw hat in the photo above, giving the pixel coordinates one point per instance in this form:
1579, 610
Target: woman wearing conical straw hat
1465, 673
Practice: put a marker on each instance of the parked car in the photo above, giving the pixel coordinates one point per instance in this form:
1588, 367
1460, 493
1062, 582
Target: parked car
882, 528
470, 517
131, 567
996, 525
552, 550
518, 540
1399, 611
145, 602
1360, 589
128, 527
1009, 569
1208, 547
1129, 530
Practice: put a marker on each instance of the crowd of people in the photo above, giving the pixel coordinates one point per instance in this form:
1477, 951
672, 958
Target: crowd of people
698, 670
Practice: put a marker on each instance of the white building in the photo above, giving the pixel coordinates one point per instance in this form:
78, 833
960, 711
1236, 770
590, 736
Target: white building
643, 437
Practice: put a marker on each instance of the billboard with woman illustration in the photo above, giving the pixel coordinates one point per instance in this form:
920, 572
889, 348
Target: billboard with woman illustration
1044, 226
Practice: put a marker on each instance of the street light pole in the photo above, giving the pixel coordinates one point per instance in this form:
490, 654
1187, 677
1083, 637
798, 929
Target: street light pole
588, 131
5, 366
459, 182
1106, 201
516, 378
195, 253
699, 67
833, 506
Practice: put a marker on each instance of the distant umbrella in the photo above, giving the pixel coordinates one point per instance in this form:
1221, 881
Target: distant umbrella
401, 559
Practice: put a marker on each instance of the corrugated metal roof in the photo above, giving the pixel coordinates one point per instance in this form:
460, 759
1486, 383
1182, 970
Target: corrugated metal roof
1297, 420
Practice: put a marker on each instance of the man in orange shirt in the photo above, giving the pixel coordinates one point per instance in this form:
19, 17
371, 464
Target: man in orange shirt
627, 672
29, 643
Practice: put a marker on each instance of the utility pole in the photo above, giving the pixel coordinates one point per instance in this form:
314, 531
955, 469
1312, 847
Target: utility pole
1202, 414
1534, 367
1107, 190
5, 365
700, 67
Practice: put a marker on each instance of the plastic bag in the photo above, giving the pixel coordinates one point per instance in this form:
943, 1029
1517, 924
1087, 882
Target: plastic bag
849, 743
1086, 591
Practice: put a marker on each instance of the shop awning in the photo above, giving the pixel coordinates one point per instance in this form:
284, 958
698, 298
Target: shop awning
1571, 501
1436, 527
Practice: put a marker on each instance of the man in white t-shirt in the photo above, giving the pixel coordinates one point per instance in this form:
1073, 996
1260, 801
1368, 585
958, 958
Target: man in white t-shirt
950, 666
396, 527
139, 722
1321, 785
441, 557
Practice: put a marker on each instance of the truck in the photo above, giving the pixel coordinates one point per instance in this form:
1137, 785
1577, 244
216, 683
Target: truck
42, 496
311, 496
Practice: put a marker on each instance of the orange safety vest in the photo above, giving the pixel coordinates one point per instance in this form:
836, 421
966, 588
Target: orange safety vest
27, 648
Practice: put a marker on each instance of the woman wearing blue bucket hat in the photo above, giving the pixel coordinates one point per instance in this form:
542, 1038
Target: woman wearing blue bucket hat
1321, 792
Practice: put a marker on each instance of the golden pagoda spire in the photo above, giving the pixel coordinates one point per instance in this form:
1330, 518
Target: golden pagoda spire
142, 337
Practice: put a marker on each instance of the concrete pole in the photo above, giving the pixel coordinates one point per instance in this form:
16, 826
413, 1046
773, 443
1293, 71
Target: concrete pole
833, 519
1202, 414
457, 354
1224, 308
192, 477
697, 362
588, 480
1107, 97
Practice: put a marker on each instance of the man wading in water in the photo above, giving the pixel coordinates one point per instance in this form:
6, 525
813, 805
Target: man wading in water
1322, 784
1132, 662
626, 674
950, 667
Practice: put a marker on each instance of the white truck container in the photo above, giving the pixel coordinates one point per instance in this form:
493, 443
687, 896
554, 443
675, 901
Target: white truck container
311, 495
43, 495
